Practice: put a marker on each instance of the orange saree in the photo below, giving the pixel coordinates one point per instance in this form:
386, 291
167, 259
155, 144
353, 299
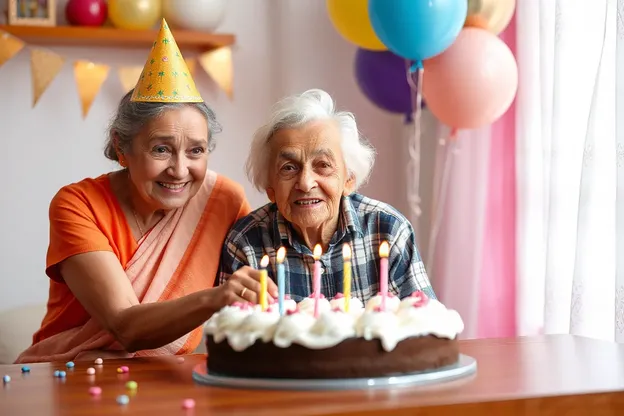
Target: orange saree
179, 256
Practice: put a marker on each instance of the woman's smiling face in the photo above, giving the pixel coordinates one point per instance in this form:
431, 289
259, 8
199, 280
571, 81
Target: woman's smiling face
308, 176
169, 158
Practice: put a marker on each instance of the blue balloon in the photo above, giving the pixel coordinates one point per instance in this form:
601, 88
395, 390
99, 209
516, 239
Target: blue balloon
417, 29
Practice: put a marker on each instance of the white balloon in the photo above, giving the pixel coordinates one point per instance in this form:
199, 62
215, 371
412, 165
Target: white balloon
200, 15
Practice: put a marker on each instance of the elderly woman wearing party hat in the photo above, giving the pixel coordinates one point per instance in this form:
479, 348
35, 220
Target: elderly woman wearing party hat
133, 253
310, 159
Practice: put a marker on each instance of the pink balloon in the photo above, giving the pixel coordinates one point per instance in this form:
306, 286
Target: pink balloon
473, 82
86, 12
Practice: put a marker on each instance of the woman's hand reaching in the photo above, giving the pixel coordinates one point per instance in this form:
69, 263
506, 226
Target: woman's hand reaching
243, 286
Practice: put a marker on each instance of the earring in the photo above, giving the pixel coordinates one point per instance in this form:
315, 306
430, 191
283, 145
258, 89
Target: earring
122, 162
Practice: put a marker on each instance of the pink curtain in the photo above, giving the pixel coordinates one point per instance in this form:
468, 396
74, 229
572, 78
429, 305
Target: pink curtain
497, 287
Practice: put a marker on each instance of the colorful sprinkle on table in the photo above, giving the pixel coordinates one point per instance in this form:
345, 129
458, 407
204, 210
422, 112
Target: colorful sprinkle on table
123, 399
124, 368
95, 391
90, 371
188, 404
6, 379
57, 373
99, 361
62, 374
25, 369
70, 364
132, 385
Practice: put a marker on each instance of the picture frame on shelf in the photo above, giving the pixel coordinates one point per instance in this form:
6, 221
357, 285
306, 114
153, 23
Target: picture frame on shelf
32, 12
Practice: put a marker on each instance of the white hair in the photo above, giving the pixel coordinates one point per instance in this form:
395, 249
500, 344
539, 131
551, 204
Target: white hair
298, 110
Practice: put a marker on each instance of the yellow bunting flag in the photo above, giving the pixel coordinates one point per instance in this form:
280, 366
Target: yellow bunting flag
44, 67
89, 79
192, 65
166, 76
218, 64
9, 47
129, 76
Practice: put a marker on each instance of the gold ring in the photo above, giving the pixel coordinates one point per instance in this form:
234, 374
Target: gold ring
243, 292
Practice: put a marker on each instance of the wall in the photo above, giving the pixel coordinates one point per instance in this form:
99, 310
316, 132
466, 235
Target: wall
282, 47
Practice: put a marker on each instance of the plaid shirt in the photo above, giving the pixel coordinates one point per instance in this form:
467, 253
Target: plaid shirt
363, 222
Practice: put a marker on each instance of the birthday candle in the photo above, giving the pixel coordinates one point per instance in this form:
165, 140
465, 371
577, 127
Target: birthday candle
346, 275
384, 250
263, 282
281, 285
317, 278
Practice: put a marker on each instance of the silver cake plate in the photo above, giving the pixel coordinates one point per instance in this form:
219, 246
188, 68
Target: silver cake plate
464, 367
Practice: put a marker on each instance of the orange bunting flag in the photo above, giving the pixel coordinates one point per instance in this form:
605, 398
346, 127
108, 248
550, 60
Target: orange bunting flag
218, 65
44, 67
192, 65
9, 47
89, 79
129, 76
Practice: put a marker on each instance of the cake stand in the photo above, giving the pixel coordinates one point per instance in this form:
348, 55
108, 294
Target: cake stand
464, 367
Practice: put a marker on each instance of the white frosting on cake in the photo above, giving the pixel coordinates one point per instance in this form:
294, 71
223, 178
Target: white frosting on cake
414, 316
356, 307
307, 305
392, 303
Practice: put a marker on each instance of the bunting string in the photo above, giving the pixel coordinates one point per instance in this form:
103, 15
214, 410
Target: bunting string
45, 65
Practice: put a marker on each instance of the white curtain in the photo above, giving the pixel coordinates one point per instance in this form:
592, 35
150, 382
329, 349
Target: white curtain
570, 162
453, 255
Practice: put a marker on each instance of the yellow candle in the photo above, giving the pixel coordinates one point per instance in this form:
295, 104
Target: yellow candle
346, 275
264, 275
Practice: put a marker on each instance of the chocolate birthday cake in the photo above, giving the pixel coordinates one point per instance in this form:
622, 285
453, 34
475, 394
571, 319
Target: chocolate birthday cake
410, 335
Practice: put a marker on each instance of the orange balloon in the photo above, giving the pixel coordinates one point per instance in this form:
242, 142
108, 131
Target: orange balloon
473, 82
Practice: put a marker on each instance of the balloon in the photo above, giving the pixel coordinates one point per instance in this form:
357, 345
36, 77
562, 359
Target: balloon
492, 15
473, 82
134, 14
417, 29
200, 15
86, 12
351, 21
382, 77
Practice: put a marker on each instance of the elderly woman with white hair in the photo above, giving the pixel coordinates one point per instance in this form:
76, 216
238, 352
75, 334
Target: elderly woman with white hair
311, 160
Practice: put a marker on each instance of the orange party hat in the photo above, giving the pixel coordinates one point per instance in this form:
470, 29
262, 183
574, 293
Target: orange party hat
166, 77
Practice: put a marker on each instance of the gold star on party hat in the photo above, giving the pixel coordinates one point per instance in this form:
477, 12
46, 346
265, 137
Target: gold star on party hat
166, 77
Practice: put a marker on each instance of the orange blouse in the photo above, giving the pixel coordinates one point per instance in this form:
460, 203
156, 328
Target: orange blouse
86, 216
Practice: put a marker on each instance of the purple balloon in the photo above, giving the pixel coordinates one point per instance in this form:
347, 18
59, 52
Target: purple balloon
382, 77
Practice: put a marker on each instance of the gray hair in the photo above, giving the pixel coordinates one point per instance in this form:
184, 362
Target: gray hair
131, 117
298, 110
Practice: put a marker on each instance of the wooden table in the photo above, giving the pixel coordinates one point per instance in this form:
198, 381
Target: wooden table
553, 375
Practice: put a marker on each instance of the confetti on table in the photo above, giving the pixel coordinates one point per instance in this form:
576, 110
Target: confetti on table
124, 369
6, 379
123, 399
132, 385
90, 371
95, 391
99, 361
70, 364
57, 373
62, 374
25, 369
188, 403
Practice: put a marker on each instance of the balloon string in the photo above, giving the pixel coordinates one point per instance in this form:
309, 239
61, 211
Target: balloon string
440, 206
414, 144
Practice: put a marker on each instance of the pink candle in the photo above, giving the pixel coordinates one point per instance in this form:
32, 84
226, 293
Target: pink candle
384, 250
317, 278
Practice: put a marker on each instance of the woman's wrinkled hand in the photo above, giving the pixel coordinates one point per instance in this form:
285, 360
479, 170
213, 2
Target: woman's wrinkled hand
244, 286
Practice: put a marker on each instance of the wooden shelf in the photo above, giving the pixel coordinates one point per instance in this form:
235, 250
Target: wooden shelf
113, 37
